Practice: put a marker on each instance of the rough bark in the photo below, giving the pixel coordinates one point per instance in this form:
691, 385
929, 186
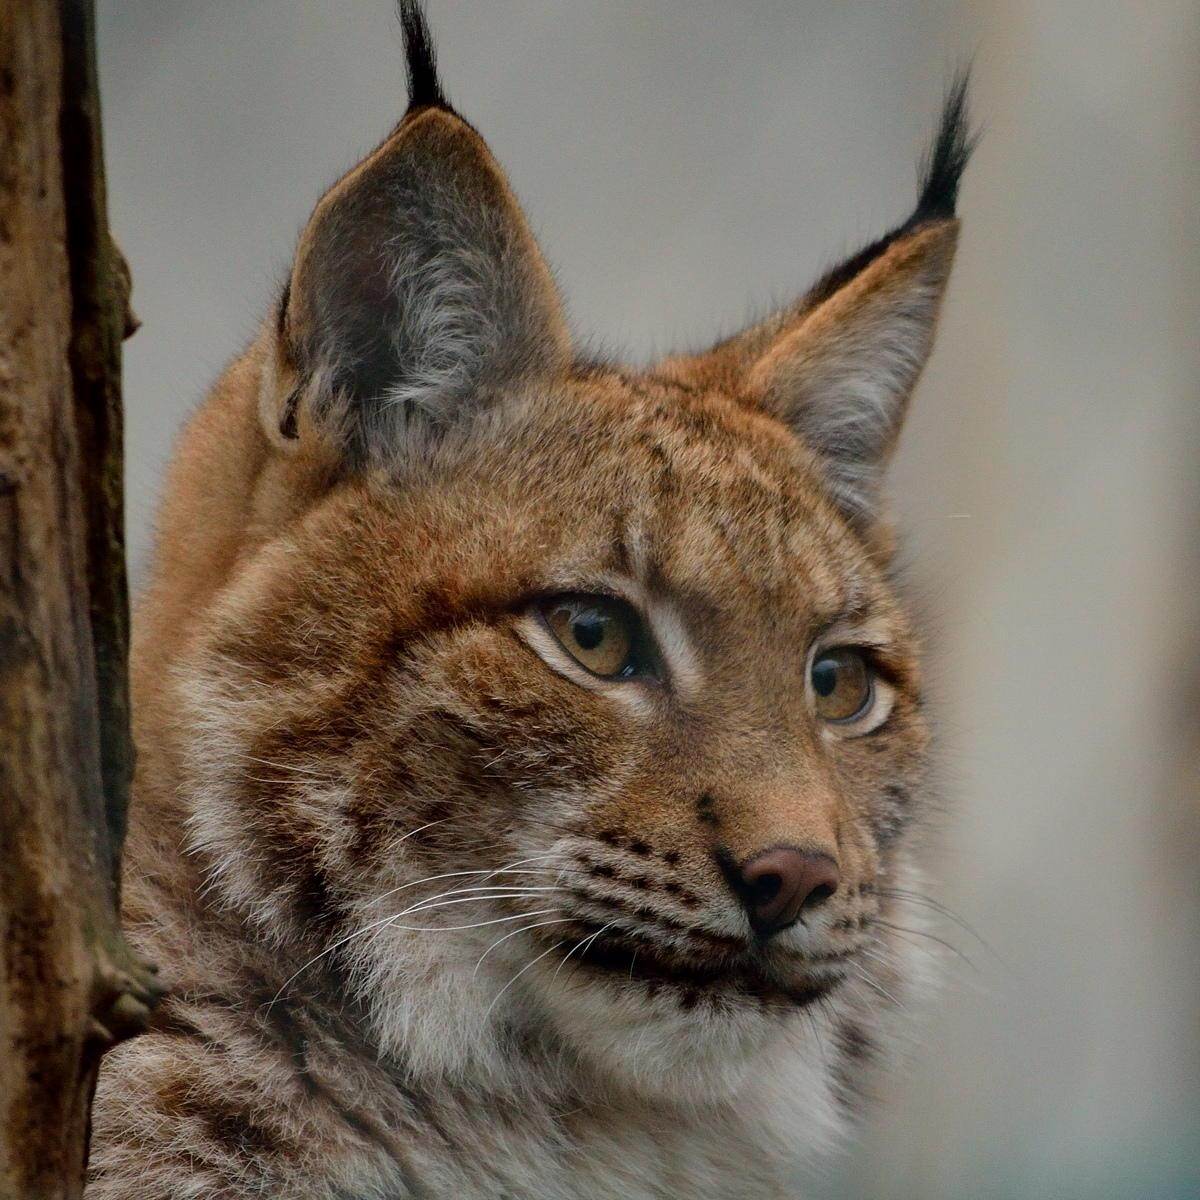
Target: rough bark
69, 986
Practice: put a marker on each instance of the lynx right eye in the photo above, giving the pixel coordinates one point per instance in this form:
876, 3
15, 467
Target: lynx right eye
602, 634
842, 684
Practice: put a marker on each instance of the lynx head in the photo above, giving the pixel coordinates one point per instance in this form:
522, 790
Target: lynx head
554, 710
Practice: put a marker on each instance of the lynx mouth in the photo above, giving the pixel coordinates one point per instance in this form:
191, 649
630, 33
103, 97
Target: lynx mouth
628, 961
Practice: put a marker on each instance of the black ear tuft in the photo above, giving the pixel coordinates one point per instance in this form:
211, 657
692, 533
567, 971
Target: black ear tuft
424, 87
943, 165
940, 173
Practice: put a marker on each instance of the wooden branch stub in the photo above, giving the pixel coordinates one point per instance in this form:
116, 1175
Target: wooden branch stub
123, 282
123, 1001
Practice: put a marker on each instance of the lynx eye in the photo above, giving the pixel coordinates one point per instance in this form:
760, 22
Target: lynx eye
843, 684
599, 632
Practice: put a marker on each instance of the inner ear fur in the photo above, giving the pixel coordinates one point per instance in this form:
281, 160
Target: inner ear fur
417, 292
838, 367
842, 375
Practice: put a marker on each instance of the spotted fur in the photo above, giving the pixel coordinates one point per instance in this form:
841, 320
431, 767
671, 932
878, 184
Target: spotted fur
444, 916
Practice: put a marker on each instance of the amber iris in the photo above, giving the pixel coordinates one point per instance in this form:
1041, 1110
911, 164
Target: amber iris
842, 684
599, 632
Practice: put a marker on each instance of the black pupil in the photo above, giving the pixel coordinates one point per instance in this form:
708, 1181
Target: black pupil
588, 631
824, 676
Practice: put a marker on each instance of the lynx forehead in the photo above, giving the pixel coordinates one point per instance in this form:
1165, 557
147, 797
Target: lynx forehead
529, 745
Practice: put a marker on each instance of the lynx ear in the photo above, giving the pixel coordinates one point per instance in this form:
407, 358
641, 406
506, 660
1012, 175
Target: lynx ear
839, 366
842, 377
417, 290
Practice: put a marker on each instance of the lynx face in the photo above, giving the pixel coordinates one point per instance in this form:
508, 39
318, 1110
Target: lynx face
612, 698
545, 714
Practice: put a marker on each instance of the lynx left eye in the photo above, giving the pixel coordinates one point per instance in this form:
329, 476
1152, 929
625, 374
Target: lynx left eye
842, 683
600, 633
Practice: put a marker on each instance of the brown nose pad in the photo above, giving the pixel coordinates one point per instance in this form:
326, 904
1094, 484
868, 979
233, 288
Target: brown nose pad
780, 885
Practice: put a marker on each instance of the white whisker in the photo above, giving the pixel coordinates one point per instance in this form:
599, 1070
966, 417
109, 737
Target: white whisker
476, 925
589, 939
875, 987
513, 892
266, 762
500, 894
523, 929
461, 874
586, 937
391, 918
518, 975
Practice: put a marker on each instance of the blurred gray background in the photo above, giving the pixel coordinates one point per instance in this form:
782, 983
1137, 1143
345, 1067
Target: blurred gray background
684, 161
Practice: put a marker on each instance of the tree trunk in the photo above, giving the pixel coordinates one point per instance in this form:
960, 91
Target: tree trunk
69, 986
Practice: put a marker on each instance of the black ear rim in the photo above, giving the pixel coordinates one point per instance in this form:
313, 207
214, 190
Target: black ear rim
289, 418
940, 173
420, 58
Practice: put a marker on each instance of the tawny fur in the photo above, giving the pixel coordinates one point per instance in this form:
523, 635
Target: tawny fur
348, 717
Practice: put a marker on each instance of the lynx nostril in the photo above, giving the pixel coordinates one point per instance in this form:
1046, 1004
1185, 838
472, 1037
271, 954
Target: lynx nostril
779, 885
764, 888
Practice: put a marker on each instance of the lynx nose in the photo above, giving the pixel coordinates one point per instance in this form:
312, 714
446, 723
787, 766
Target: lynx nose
779, 885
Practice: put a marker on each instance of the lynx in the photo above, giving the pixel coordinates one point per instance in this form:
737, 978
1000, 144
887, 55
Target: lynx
530, 746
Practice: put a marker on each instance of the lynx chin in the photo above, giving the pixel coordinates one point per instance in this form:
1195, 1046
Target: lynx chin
530, 746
